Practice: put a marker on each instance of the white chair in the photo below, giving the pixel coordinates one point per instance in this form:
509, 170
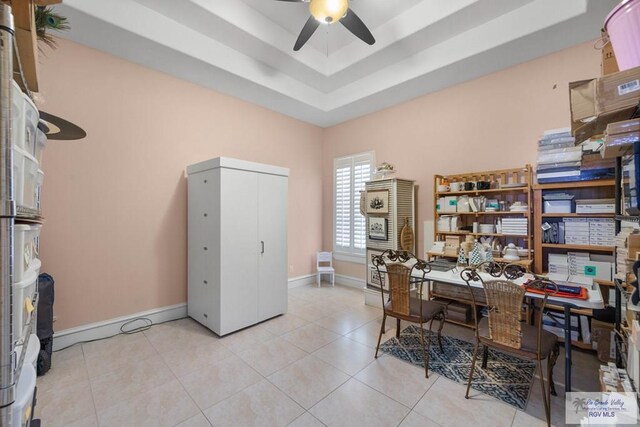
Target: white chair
324, 265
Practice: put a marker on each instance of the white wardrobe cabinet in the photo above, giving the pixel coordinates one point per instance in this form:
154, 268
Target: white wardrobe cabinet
237, 243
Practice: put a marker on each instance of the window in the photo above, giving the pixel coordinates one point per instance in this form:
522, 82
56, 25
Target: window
350, 237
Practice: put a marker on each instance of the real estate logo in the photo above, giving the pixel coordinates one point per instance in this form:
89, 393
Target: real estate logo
601, 408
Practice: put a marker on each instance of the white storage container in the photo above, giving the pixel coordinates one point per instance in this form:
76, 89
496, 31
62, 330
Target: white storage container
25, 249
557, 206
17, 116
39, 182
41, 143
31, 119
23, 292
30, 178
33, 349
18, 175
22, 406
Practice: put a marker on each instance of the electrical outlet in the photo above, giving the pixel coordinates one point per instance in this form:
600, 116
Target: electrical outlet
291, 268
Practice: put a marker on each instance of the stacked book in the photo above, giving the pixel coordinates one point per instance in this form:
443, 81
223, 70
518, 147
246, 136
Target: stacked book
561, 160
559, 264
576, 231
516, 226
624, 261
602, 232
593, 206
558, 156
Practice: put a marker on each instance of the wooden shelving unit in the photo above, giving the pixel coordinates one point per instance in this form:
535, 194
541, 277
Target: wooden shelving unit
511, 194
598, 189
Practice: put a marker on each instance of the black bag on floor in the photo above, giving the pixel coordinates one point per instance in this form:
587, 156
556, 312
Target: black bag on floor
45, 322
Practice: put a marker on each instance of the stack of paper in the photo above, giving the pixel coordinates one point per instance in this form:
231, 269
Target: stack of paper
516, 226
576, 231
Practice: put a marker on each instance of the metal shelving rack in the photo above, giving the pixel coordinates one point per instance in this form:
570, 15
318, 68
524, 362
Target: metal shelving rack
10, 368
8, 379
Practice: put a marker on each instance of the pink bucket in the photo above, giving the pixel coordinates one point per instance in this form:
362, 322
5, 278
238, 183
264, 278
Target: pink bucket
623, 26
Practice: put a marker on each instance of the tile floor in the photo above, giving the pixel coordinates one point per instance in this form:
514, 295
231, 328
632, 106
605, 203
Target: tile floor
313, 366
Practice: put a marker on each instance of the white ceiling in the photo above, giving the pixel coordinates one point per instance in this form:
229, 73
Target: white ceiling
245, 47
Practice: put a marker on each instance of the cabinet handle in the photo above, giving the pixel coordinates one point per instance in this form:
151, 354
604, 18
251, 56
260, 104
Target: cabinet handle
262, 244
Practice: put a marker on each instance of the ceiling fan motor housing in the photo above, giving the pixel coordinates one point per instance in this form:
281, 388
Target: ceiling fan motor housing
328, 11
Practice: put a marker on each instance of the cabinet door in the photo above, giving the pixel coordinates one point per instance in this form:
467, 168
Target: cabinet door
238, 249
273, 259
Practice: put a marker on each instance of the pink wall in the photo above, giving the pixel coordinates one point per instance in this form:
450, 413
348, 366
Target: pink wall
489, 123
115, 202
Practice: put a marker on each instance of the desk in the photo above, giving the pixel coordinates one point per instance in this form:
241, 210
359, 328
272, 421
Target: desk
594, 301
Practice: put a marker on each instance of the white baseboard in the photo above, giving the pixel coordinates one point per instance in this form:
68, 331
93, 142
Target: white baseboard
350, 281
107, 328
307, 279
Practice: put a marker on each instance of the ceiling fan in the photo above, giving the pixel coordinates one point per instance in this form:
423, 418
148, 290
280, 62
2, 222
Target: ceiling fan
330, 12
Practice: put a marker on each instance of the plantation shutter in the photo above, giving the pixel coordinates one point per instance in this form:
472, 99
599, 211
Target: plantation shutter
351, 173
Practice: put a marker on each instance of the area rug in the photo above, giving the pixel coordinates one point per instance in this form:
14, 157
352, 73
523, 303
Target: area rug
506, 377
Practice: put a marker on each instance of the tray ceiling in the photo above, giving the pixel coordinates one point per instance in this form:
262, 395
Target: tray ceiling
244, 47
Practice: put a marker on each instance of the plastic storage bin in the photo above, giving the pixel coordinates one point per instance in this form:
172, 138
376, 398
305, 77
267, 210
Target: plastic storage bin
17, 116
39, 182
31, 119
18, 176
41, 142
33, 350
30, 178
22, 406
23, 293
25, 250
623, 27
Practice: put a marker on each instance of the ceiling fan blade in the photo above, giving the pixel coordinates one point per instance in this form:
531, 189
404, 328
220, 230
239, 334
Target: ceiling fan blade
307, 31
354, 24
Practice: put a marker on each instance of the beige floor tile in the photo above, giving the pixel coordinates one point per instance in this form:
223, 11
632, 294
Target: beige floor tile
246, 338
218, 381
127, 383
102, 357
65, 370
198, 421
522, 419
272, 355
309, 312
62, 406
183, 333
368, 333
311, 337
399, 380
189, 359
166, 405
306, 420
535, 406
341, 322
308, 380
355, 404
90, 421
262, 404
347, 355
416, 420
286, 323
445, 404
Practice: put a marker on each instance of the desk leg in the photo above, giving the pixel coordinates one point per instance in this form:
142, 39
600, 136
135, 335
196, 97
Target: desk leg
567, 348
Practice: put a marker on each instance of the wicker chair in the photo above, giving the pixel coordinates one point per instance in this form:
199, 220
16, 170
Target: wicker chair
504, 329
399, 267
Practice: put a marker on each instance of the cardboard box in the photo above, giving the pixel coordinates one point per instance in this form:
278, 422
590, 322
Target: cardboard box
609, 64
582, 97
601, 339
595, 103
618, 90
633, 245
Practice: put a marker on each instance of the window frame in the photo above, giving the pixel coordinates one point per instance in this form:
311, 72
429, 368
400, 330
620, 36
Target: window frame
340, 253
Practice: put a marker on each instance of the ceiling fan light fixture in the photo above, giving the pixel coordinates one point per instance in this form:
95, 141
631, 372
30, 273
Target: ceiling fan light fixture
328, 11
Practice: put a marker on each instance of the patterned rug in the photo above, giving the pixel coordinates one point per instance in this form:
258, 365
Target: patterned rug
506, 378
